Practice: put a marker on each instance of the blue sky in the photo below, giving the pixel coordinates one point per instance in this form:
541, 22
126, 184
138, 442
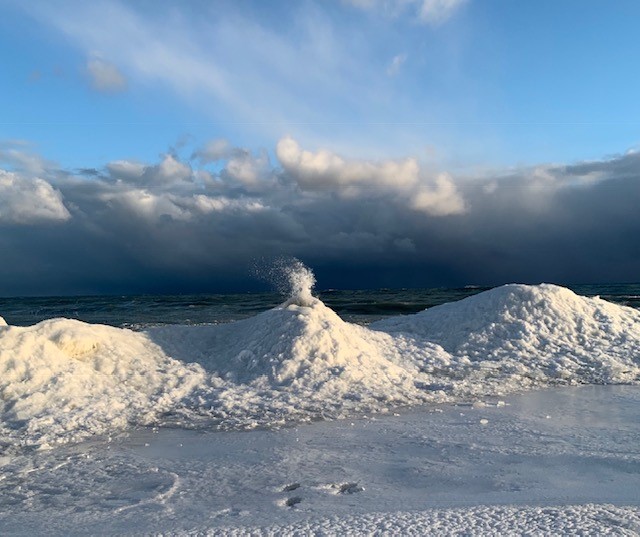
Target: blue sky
157, 146
492, 82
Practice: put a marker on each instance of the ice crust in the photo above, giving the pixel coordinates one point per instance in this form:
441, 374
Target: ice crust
62, 380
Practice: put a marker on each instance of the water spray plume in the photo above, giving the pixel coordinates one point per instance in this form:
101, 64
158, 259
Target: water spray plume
301, 281
290, 276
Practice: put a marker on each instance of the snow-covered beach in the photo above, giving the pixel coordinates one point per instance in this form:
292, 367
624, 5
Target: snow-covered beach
561, 460
511, 411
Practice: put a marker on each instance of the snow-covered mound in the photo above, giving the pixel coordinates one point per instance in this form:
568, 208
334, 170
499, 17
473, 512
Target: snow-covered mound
63, 379
542, 332
300, 359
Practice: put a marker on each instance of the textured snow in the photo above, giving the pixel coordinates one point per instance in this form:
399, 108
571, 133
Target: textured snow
544, 332
591, 519
549, 462
61, 380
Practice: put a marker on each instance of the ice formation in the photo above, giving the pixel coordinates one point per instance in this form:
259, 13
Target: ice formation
545, 332
62, 380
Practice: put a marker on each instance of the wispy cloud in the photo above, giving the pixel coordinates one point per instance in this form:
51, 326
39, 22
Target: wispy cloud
438, 11
306, 71
273, 80
396, 64
104, 76
433, 12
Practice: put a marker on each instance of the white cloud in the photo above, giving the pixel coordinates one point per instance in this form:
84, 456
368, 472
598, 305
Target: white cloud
145, 204
396, 63
29, 200
438, 11
215, 150
105, 76
431, 12
208, 204
248, 169
168, 171
18, 154
171, 170
126, 170
441, 199
324, 169
403, 179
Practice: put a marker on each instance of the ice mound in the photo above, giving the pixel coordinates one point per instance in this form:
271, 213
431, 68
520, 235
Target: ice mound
299, 359
541, 333
62, 380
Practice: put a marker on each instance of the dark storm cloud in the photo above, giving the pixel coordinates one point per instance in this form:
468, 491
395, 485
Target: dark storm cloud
195, 226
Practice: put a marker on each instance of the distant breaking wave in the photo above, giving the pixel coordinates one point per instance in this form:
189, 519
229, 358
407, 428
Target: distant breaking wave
63, 380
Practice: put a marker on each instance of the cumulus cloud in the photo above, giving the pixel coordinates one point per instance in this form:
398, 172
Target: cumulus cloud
247, 169
441, 199
324, 170
29, 200
126, 170
168, 172
191, 224
104, 76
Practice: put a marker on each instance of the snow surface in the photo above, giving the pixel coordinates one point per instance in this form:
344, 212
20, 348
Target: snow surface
62, 380
595, 520
547, 462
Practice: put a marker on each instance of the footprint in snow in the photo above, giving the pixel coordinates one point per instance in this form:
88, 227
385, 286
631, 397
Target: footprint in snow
348, 488
293, 501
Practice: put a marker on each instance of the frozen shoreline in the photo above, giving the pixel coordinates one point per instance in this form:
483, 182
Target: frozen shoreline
547, 460
65, 381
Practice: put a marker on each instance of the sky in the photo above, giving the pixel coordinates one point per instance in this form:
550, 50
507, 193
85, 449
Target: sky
165, 147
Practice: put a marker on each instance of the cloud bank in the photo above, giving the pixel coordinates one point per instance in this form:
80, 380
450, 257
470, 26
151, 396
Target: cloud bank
198, 223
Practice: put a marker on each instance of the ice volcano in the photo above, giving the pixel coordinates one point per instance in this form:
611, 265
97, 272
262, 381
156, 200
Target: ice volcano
299, 358
544, 332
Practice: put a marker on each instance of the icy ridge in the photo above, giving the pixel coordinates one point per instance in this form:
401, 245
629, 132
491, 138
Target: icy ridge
61, 380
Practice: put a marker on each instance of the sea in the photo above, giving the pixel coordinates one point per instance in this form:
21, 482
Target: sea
139, 312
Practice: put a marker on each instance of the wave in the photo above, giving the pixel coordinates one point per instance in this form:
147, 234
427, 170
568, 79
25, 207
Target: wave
63, 380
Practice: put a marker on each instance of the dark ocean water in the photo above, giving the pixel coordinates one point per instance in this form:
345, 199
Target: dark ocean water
355, 306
